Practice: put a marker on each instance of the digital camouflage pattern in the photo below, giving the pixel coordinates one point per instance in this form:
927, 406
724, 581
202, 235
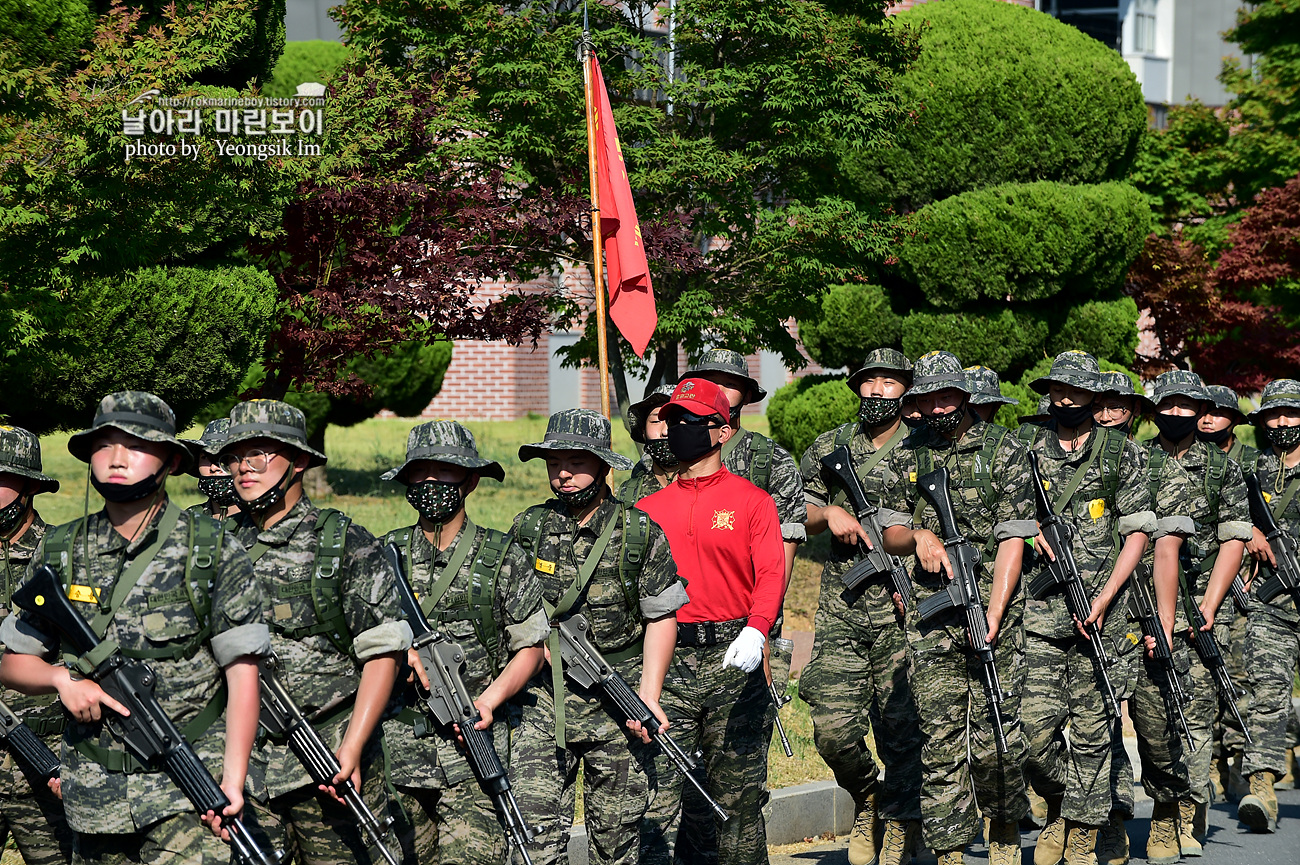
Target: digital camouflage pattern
985, 388
857, 677
730, 362
214, 436
136, 413
1179, 382
577, 429
936, 371
1075, 368
444, 441
642, 482
616, 784
880, 360
1280, 393
20, 454
1225, 399
177, 840
1119, 383
1230, 626
638, 412
940, 662
1273, 631
454, 825
30, 813
274, 420
155, 614
784, 484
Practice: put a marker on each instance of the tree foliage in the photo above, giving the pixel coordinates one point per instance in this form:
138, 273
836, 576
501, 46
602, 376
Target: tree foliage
43, 32
1005, 340
1106, 329
854, 319
313, 60
805, 408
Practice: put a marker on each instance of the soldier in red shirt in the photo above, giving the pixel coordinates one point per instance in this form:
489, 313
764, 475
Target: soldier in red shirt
725, 536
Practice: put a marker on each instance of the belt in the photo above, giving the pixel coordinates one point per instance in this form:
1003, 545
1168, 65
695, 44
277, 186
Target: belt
708, 633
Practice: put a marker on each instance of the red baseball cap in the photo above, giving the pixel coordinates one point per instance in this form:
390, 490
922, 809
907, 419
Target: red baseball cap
700, 397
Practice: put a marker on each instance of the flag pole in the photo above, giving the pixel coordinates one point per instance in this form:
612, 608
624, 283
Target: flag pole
597, 250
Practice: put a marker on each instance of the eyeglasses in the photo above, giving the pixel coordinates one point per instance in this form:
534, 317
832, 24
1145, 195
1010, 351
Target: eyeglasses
1115, 410
257, 460
690, 419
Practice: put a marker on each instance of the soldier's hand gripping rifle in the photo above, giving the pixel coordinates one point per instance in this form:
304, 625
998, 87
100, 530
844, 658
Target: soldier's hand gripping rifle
876, 563
1142, 606
450, 703
283, 719
585, 665
148, 733
1207, 649
26, 745
1286, 576
1063, 573
963, 593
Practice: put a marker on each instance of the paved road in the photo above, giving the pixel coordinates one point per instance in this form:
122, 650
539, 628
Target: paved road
1227, 843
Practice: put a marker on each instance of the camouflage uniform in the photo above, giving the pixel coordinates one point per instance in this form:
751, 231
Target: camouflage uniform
1108, 502
643, 480
993, 499
985, 389
617, 769
28, 809
209, 444
119, 811
1273, 630
857, 677
321, 676
447, 816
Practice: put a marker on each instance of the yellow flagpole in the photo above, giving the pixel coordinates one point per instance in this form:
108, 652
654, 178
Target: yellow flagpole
597, 250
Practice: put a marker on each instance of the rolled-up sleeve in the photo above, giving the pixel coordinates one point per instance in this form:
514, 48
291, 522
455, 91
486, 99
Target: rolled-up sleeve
251, 639
889, 517
21, 637
382, 639
667, 602
1175, 524
529, 632
1234, 530
1015, 529
1142, 521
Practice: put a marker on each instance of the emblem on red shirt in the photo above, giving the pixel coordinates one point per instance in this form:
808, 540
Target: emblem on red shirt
724, 520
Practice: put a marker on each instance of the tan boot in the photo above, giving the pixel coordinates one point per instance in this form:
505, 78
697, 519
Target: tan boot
1004, 843
1050, 847
1219, 771
899, 839
1187, 840
864, 840
950, 857
1287, 781
1238, 786
1259, 809
1112, 841
1162, 842
1037, 816
1080, 844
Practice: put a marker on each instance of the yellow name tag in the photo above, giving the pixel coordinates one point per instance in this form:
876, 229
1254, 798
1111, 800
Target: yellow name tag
1047, 485
911, 476
85, 594
1132, 638
1268, 497
1096, 508
544, 566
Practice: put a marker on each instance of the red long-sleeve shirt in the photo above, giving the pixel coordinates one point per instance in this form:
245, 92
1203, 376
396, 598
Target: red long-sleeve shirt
725, 536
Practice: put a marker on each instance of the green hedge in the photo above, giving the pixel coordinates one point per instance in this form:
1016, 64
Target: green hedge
854, 319
807, 407
1006, 341
1026, 242
314, 60
1002, 93
1106, 329
40, 32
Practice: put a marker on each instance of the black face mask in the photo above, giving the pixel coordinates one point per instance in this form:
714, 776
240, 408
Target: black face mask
878, 410
12, 514
946, 423
735, 415
690, 442
579, 499
1175, 427
1283, 437
120, 493
661, 453
272, 497
914, 422
436, 501
1215, 438
219, 489
1070, 416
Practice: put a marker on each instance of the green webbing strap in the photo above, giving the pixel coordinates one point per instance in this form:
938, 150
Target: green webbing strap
983, 479
134, 571
1098, 441
482, 593
585, 572
116, 759
872, 461
1216, 469
1287, 495
760, 469
631, 560
438, 590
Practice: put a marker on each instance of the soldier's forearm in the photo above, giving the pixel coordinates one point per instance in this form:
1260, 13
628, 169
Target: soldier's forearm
522, 667
1226, 565
791, 550
1165, 578
29, 674
658, 645
1130, 555
899, 540
816, 522
377, 676
242, 707
1006, 575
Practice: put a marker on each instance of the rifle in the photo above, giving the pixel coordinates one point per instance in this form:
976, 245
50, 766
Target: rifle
1142, 605
1207, 648
148, 733
450, 703
875, 562
282, 718
26, 745
585, 665
1286, 576
779, 700
1239, 596
963, 593
1064, 573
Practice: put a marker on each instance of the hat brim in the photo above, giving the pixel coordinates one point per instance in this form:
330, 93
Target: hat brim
989, 399
485, 468
316, 458
48, 484
955, 382
759, 393
79, 443
538, 450
855, 381
1180, 391
1041, 385
638, 412
1272, 404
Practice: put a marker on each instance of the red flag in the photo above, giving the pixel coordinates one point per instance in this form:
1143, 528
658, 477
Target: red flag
631, 302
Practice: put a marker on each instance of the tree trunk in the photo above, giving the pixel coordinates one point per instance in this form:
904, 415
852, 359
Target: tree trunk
315, 481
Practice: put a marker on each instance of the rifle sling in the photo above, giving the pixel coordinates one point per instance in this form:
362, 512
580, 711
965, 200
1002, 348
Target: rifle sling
117, 759
439, 589
875, 459
1098, 438
1287, 495
135, 570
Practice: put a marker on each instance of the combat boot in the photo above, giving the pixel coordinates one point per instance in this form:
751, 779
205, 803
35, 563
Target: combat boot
899, 839
864, 848
1112, 841
1080, 844
1162, 842
1238, 786
1050, 847
1287, 781
950, 857
1220, 770
1259, 809
1188, 843
1037, 816
1004, 843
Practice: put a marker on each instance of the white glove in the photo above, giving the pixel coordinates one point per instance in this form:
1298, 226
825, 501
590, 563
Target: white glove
746, 651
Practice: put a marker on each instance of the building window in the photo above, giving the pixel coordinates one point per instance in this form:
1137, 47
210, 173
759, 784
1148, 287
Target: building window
1144, 26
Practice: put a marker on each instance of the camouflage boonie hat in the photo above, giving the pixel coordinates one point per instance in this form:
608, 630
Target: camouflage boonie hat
135, 413
725, 360
271, 419
1179, 382
1075, 368
984, 388
577, 429
210, 442
638, 412
1121, 384
1225, 399
1282, 393
936, 371
444, 441
20, 454
887, 359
